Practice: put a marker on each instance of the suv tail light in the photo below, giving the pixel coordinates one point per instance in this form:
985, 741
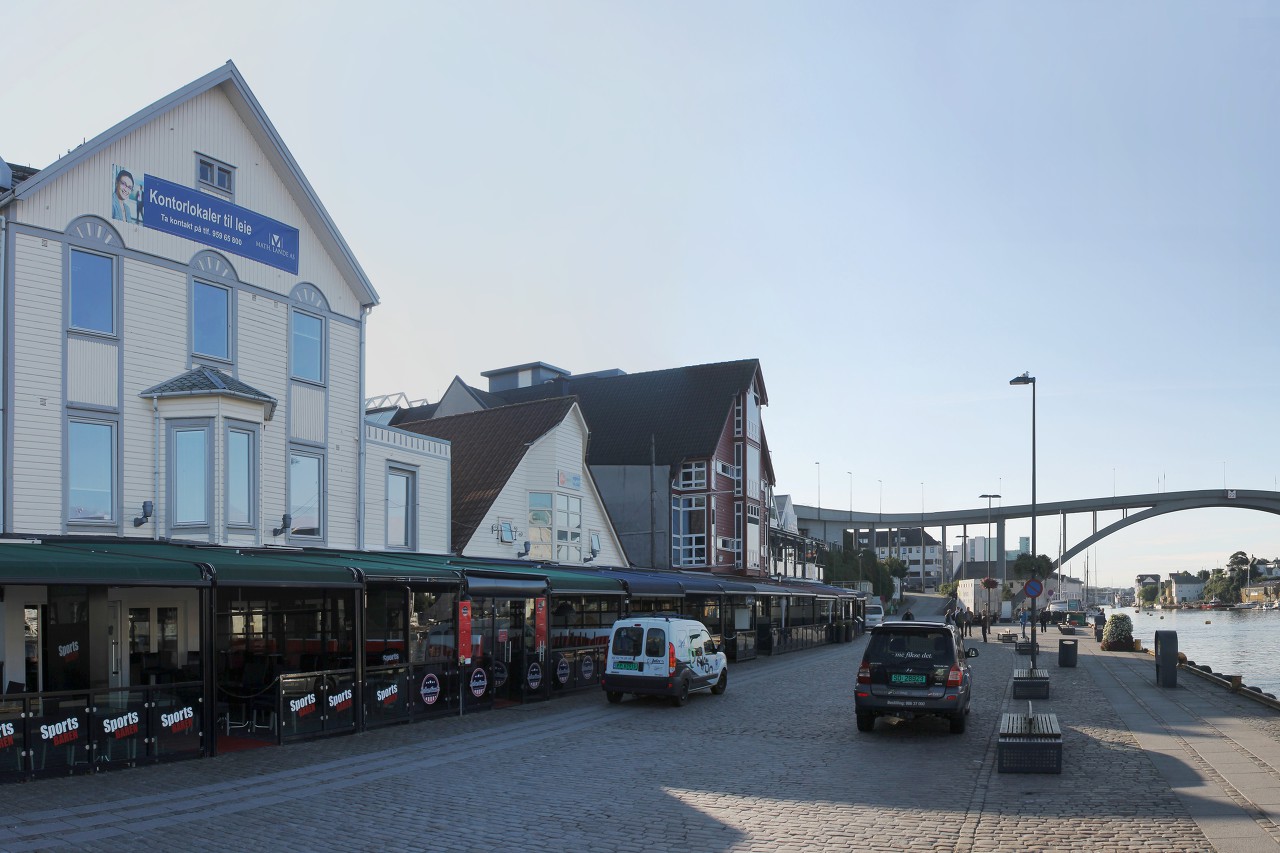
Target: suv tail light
864, 672
671, 658
954, 677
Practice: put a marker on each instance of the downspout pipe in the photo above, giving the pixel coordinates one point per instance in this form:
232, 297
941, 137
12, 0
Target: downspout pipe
6, 494
155, 471
361, 443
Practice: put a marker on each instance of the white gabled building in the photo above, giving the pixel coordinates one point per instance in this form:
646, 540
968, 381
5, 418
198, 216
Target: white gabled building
183, 361
521, 486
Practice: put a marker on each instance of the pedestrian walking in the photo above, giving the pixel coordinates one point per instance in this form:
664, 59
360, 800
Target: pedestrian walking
968, 623
1023, 619
985, 621
1044, 620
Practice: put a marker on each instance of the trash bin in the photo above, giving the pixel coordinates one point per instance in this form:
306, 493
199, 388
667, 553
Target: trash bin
1166, 658
1067, 652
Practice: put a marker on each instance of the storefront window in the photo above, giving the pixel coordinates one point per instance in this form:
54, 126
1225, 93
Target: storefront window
385, 626
432, 625
265, 632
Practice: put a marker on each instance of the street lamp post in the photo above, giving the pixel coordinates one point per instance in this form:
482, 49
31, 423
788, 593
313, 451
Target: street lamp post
986, 546
1027, 379
820, 524
853, 536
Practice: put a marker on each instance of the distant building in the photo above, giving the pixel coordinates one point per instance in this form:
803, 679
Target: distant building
1186, 587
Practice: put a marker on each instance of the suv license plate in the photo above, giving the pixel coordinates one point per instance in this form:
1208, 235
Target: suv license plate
624, 664
906, 678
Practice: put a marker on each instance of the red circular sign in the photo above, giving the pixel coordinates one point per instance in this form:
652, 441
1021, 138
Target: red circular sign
1033, 588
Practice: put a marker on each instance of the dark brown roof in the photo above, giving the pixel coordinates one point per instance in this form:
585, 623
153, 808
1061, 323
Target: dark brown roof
487, 447
684, 409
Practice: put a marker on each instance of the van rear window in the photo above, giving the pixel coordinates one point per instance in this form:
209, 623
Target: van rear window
627, 640
655, 644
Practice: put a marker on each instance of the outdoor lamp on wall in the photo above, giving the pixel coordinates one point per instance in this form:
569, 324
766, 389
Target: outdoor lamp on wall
285, 521
526, 550
148, 509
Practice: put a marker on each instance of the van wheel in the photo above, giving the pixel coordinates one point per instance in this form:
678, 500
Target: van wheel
720, 685
866, 722
958, 723
682, 695
613, 696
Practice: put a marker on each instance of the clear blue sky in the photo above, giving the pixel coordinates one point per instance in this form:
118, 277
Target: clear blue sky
896, 207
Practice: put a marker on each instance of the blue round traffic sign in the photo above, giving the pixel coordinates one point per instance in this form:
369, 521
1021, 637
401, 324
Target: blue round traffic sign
1033, 588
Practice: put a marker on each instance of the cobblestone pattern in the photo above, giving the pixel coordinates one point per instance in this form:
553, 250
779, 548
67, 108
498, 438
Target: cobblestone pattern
775, 764
1109, 795
1241, 711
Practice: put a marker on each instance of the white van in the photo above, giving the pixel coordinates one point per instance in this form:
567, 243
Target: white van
875, 615
662, 656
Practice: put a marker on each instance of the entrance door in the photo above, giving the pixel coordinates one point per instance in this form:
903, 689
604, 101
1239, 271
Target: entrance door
155, 642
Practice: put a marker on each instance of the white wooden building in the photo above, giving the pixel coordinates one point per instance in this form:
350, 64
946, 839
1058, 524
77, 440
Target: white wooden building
183, 359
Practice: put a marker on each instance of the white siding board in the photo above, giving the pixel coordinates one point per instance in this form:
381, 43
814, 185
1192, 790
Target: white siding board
166, 147
306, 413
93, 372
430, 458
37, 400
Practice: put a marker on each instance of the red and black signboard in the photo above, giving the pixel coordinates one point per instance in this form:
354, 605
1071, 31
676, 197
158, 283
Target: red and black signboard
540, 624
464, 631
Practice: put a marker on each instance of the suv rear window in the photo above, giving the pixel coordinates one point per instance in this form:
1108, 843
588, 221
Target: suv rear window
937, 648
655, 645
627, 640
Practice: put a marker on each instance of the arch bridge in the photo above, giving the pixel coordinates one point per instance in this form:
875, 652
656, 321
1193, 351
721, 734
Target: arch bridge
829, 525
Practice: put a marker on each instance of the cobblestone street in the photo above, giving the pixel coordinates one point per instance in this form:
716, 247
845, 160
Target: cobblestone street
774, 764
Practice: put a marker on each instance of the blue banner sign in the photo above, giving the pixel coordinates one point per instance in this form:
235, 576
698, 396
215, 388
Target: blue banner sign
185, 212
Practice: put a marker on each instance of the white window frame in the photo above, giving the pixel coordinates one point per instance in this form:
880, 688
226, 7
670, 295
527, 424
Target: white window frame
541, 536
251, 474
409, 512
568, 528
217, 171
293, 350
112, 520
228, 332
688, 549
693, 475
114, 331
172, 445
311, 453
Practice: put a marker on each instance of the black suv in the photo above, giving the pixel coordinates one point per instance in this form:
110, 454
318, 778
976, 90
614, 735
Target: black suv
912, 669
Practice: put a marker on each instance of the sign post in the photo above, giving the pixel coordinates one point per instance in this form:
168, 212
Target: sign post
1032, 589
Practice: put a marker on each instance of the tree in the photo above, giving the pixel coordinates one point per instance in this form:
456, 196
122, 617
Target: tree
1026, 567
1149, 593
896, 569
1203, 574
1238, 560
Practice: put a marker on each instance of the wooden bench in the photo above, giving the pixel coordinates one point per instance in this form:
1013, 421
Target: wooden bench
1031, 684
1023, 647
1064, 628
1007, 636
1029, 743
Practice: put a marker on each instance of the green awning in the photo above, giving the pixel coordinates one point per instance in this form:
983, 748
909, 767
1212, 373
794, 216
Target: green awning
231, 566
394, 566
266, 567
100, 564
562, 580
